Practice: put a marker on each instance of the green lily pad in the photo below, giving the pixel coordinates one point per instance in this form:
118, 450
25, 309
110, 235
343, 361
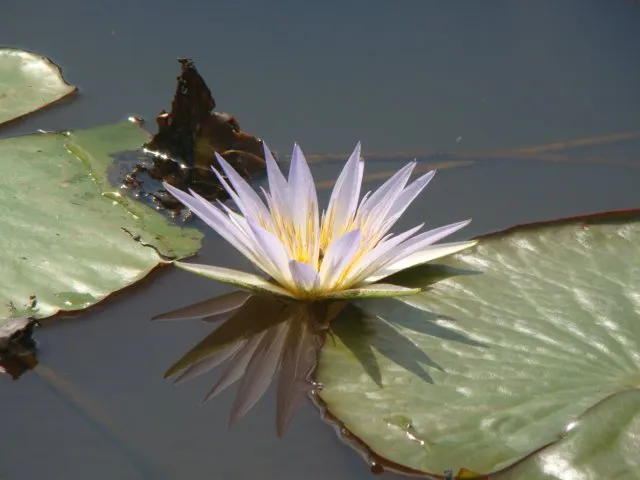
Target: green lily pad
69, 237
539, 324
28, 82
603, 443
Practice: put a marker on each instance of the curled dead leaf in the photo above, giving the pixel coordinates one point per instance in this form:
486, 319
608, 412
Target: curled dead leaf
182, 152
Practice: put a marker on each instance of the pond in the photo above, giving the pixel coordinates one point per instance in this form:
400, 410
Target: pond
521, 103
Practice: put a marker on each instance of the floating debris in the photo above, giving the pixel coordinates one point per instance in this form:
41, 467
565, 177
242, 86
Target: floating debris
17, 346
182, 152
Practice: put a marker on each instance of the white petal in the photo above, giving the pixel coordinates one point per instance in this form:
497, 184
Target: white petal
338, 256
275, 207
244, 280
376, 290
428, 254
407, 196
238, 220
247, 199
244, 234
216, 220
365, 198
381, 192
302, 187
304, 203
278, 187
420, 242
373, 211
375, 259
304, 275
345, 195
218, 211
274, 251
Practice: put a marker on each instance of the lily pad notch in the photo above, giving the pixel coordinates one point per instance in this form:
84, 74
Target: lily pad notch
29, 82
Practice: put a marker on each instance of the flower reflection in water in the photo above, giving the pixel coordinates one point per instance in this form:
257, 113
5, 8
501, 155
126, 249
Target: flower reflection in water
257, 337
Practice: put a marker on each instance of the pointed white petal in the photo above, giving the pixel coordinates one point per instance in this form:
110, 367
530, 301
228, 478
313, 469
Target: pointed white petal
238, 220
211, 216
345, 195
375, 290
430, 253
232, 193
278, 187
244, 280
277, 182
420, 242
401, 176
274, 251
217, 220
338, 256
377, 258
304, 275
359, 180
405, 249
304, 203
301, 185
365, 199
374, 210
408, 195
244, 235
246, 198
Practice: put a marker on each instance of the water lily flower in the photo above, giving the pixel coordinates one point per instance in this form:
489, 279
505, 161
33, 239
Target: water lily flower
345, 252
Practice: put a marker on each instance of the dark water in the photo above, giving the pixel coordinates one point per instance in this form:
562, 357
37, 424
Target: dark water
413, 75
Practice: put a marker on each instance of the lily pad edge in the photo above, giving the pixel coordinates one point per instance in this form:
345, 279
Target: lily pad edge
58, 70
379, 463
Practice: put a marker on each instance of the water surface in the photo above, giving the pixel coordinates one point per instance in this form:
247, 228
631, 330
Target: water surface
433, 78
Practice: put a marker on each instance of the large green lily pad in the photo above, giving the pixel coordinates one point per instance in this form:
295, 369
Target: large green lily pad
603, 444
538, 324
69, 237
28, 82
